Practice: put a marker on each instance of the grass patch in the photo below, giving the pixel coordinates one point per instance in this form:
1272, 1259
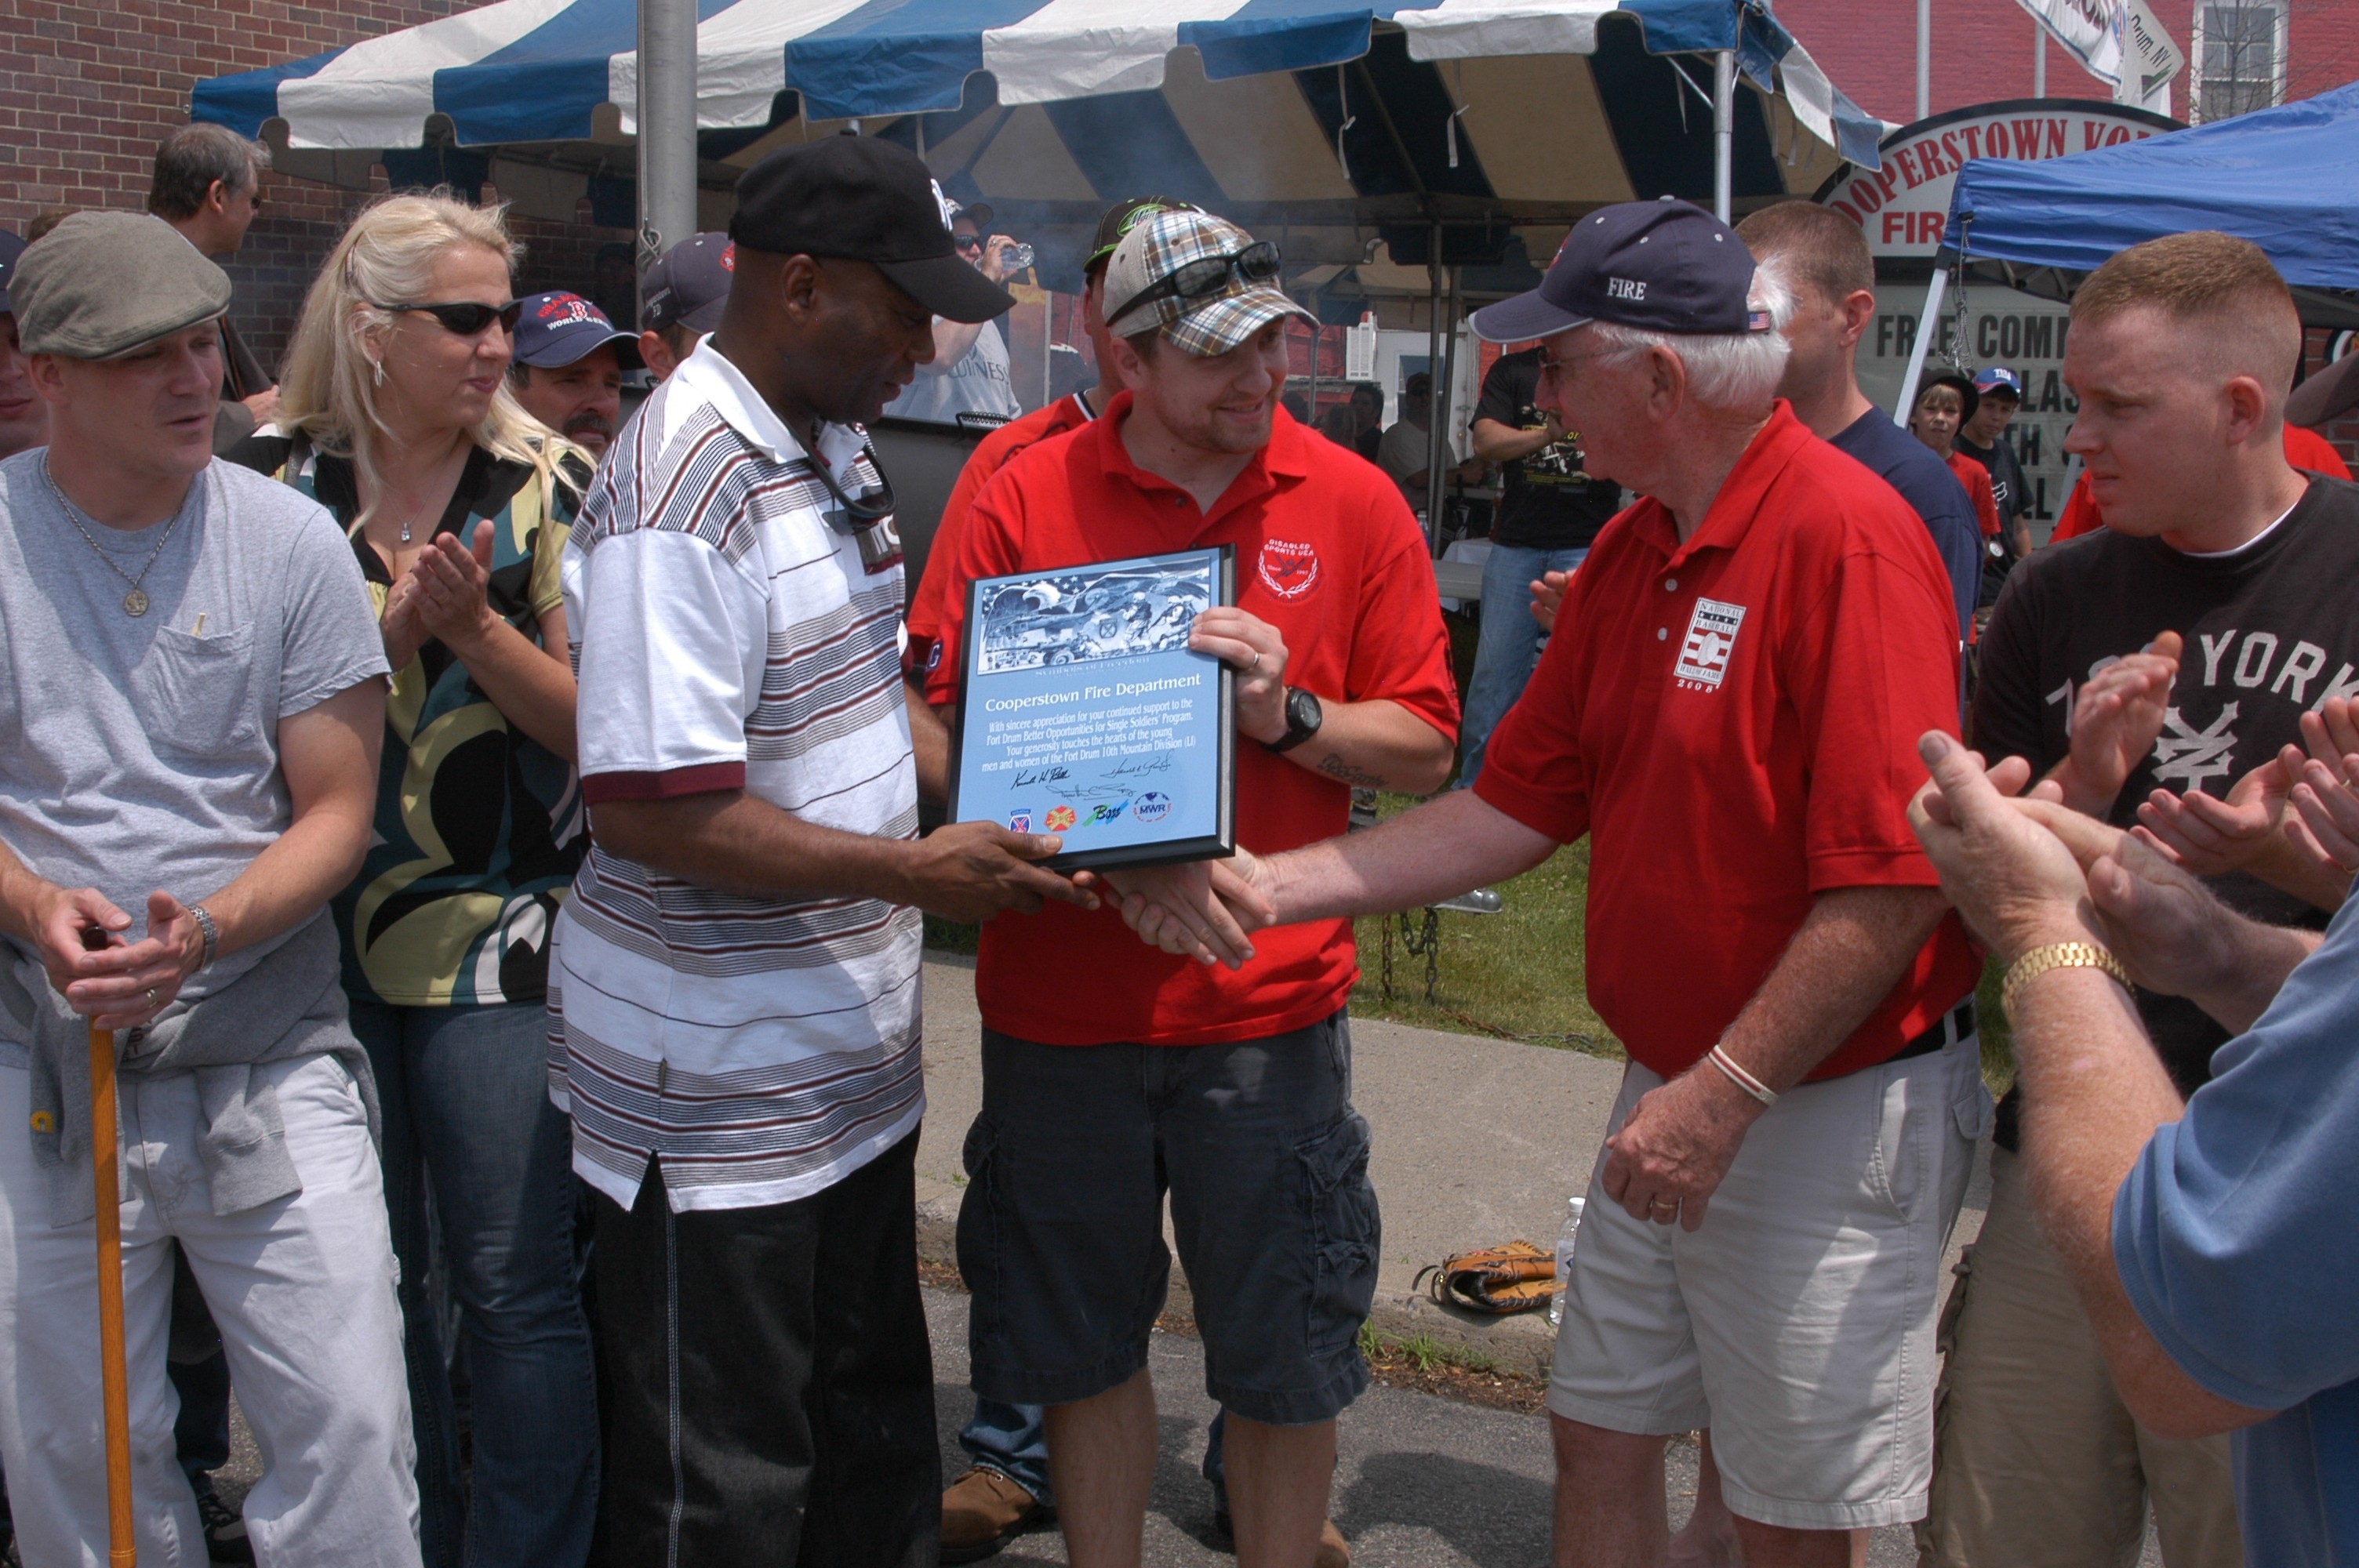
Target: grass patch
1423, 1352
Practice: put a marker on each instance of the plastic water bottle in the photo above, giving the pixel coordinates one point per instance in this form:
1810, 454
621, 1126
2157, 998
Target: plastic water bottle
1572, 1207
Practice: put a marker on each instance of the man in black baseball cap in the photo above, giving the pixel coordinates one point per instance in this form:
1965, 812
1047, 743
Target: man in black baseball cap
682, 297
23, 416
568, 368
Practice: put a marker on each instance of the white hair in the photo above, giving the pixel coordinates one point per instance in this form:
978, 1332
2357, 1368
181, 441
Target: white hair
1727, 372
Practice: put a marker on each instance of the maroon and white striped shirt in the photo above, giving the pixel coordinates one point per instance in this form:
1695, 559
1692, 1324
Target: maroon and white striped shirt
726, 637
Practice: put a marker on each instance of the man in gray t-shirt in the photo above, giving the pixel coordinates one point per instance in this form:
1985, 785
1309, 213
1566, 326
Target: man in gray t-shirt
190, 701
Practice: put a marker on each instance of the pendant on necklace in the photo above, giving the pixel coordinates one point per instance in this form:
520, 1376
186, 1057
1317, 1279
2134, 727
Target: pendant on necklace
135, 603
405, 533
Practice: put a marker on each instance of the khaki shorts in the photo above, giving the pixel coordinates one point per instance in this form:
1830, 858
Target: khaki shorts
1798, 1322
2037, 1463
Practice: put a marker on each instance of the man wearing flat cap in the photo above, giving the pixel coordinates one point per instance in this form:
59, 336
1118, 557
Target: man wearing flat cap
190, 717
1139, 1075
736, 979
1729, 711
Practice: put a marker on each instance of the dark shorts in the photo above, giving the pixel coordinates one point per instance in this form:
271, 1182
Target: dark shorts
1061, 1236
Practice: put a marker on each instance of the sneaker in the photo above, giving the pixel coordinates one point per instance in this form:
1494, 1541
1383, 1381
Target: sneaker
982, 1510
224, 1527
1334, 1551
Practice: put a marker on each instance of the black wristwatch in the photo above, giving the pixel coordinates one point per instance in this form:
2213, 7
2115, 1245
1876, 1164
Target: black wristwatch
1303, 718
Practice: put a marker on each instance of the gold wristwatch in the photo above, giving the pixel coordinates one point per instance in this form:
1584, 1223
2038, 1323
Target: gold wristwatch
2057, 956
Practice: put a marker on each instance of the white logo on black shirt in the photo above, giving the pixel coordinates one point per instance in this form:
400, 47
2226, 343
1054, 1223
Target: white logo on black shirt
1712, 637
2187, 756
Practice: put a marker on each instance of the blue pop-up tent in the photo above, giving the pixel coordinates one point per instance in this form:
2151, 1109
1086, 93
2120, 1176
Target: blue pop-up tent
2286, 178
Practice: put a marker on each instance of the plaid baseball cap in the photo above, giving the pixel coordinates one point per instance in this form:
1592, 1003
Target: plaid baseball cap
558, 327
1211, 325
1122, 217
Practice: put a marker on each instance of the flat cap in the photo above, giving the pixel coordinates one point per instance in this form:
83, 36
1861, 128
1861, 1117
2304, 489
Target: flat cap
102, 283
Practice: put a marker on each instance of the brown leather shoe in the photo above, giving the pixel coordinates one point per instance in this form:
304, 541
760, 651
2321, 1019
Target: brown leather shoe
1334, 1552
982, 1510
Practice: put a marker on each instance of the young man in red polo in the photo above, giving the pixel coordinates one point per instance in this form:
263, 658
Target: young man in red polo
1729, 709
1112, 1072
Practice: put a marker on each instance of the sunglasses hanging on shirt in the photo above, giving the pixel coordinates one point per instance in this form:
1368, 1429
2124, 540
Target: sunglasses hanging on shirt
867, 518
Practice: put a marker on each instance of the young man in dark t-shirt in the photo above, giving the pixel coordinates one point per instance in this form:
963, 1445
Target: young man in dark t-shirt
2147, 669
1549, 513
1982, 437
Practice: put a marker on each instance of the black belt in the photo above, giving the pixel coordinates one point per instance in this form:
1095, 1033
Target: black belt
1956, 1024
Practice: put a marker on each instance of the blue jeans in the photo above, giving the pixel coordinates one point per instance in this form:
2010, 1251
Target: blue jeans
465, 1092
1510, 644
1013, 1440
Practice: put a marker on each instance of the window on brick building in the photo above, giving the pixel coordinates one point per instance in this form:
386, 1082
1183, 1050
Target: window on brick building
2240, 49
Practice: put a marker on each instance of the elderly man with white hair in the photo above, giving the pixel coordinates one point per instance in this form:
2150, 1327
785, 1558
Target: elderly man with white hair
1730, 711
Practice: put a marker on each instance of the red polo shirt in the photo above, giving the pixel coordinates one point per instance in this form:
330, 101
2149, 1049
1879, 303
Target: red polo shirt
1734, 722
1328, 554
990, 455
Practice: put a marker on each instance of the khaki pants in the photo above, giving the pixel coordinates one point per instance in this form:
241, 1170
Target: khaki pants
2036, 1460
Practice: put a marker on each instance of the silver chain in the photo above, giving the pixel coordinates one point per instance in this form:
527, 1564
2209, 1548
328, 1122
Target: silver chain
135, 603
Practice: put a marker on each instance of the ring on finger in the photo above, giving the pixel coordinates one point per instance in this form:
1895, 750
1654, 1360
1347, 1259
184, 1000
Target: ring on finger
1257, 662
1665, 1206
151, 996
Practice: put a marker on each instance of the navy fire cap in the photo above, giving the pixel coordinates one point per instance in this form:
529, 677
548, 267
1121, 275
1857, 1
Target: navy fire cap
1661, 266
556, 328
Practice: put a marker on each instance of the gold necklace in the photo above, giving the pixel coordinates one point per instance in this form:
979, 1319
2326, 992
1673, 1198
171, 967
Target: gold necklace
135, 603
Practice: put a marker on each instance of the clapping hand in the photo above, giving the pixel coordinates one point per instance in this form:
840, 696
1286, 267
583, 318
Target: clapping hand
2212, 837
2117, 718
1547, 597
451, 585
2325, 792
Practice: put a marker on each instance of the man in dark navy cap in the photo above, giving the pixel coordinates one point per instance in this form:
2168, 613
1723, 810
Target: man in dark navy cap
682, 299
1729, 709
567, 369
734, 993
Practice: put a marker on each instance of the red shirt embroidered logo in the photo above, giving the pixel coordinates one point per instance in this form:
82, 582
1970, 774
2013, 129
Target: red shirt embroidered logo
1703, 652
1288, 569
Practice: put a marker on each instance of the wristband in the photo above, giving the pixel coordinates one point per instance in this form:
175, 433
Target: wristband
1737, 1074
2058, 956
212, 934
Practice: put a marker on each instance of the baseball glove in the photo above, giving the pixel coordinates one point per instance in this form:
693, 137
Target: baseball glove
1495, 1282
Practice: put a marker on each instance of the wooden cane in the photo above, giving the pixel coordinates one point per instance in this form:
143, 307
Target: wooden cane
114, 1382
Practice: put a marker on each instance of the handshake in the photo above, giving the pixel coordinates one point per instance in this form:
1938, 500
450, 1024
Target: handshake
1204, 910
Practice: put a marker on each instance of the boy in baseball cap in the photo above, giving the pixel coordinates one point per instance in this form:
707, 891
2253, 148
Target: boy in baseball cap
567, 369
682, 299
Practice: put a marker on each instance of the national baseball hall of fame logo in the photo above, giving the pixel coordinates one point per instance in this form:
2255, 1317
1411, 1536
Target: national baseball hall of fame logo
1712, 637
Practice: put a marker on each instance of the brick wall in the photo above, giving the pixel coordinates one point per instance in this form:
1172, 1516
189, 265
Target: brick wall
86, 91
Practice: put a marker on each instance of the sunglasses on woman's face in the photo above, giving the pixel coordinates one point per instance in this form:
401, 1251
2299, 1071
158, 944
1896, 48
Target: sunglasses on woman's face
1257, 263
465, 317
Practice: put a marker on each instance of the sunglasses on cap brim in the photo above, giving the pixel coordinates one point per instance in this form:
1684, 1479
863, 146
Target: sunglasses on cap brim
466, 318
1257, 264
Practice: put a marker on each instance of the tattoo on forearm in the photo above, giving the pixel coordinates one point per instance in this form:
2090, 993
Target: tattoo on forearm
1336, 767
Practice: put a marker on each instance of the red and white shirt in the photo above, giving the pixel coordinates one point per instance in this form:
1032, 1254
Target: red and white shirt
1734, 720
727, 637
1328, 554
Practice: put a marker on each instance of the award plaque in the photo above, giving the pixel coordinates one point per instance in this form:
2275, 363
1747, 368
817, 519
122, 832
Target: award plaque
1082, 712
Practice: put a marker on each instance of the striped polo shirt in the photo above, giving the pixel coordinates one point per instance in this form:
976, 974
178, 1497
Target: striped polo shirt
726, 637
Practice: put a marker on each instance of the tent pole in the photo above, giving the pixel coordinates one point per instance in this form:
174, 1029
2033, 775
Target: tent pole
1433, 371
2039, 61
1724, 130
1928, 325
1437, 414
666, 116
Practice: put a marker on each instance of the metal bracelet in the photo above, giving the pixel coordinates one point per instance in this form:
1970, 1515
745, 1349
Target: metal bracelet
212, 934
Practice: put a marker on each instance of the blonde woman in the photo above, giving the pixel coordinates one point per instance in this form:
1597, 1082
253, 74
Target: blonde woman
397, 417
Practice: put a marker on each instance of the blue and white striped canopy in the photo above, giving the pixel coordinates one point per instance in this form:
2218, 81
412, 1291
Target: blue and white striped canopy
540, 71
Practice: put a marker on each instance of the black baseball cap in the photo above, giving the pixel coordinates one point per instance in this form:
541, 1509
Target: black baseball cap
1122, 217
1661, 266
863, 199
559, 328
687, 285
11, 247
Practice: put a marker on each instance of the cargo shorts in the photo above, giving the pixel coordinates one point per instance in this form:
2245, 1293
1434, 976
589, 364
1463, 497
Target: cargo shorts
1061, 1235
